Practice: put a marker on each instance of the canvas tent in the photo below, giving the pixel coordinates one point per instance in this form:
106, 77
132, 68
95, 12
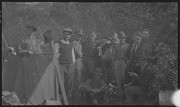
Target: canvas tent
34, 79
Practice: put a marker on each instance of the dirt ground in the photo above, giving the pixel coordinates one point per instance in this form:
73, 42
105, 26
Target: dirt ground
115, 100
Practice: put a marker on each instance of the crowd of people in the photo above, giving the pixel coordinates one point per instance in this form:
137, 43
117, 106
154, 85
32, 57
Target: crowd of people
89, 65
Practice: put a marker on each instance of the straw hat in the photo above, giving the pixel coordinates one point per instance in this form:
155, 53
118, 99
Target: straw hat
67, 30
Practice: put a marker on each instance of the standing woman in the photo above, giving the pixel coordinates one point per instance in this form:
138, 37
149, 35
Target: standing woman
78, 62
30, 44
47, 46
120, 61
78, 56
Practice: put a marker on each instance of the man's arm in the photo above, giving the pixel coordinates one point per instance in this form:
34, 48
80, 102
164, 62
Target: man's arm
144, 81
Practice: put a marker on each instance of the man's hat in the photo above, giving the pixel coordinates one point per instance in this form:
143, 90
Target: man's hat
98, 72
146, 31
31, 27
67, 30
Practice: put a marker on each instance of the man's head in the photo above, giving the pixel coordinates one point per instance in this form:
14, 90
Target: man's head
115, 36
67, 33
79, 37
123, 37
92, 36
145, 33
137, 38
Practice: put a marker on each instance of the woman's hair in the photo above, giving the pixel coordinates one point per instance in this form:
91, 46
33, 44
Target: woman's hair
47, 36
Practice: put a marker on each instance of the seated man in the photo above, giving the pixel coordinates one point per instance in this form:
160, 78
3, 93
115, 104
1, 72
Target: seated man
139, 86
94, 88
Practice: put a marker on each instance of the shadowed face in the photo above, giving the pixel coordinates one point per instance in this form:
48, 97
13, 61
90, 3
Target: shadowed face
137, 40
146, 33
67, 35
79, 37
47, 36
115, 36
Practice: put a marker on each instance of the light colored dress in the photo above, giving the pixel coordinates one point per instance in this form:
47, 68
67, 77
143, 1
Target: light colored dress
78, 62
31, 44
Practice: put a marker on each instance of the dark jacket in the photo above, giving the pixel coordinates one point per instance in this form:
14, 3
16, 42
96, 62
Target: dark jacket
88, 50
145, 78
135, 55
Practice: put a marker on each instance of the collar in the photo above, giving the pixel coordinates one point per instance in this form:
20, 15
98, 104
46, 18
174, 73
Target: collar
65, 42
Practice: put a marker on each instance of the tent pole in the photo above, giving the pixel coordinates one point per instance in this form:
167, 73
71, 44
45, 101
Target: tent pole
5, 42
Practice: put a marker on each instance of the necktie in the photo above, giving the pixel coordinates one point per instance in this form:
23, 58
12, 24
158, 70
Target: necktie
133, 50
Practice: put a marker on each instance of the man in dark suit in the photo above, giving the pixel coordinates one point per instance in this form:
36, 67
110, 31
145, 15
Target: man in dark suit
134, 53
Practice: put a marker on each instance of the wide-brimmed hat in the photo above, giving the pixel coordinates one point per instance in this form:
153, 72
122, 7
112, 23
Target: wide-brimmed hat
98, 72
67, 30
29, 27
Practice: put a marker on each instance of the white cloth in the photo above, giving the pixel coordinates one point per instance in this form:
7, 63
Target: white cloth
65, 42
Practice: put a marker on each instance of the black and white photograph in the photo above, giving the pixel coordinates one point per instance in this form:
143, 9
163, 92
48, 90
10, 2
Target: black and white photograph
89, 53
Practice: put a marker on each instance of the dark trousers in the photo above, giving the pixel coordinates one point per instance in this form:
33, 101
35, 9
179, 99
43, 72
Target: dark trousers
98, 96
133, 94
107, 71
89, 65
67, 70
131, 67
